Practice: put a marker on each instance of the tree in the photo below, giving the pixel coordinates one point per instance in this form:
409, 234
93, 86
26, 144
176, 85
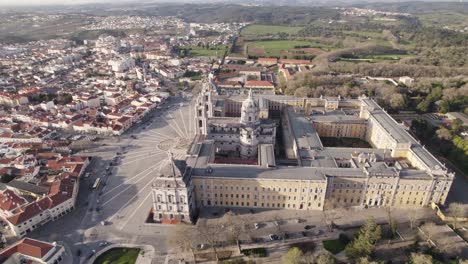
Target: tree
397, 101
413, 217
325, 258
365, 260
444, 134
417, 258
293, 256
429, 229
6, 178
210, 234
329, 213
392, 223
234, 228
364, 244
456, 125
456, 211
183, 238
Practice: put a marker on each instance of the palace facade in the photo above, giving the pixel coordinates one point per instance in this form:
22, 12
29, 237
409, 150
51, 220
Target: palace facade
267, 151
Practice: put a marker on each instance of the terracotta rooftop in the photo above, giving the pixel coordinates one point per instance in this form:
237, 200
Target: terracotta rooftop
29, 247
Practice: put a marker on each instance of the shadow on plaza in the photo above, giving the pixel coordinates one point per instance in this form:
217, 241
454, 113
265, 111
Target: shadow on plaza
87, 214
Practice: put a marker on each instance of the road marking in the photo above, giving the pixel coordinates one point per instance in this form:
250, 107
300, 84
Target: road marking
127, 180
151, 135
130, 200
141, 158
125, 189
176, 123
143, 149
130, 217
152, 138
180, 135
143, 153
183, 122
156, 133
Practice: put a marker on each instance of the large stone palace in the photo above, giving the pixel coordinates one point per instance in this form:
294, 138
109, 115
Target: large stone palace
267, 151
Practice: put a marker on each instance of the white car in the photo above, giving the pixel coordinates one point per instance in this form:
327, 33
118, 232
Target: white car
102, 244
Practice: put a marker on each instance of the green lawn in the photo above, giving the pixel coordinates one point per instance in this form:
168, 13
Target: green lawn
276, 47
253, 31
196, 51
118, 256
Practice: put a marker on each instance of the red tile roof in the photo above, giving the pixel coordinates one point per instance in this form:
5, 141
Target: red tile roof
291, 61
9, 200
25, 213
29, 247
258, 84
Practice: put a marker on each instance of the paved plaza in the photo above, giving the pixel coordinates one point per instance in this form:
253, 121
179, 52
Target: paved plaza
116, 213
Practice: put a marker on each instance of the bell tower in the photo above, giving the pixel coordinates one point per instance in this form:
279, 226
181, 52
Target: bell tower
250, 128
204, 108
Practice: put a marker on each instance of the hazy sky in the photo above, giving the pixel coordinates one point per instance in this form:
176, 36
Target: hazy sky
48, 2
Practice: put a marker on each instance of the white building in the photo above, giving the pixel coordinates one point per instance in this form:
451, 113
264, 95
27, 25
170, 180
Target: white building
172, 197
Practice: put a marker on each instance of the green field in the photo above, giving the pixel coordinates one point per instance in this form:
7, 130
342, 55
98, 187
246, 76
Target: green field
118, 256
276, 48
195, 51
453, 21
254, 31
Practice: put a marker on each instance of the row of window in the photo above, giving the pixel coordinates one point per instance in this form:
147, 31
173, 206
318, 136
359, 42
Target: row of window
255, 204
381, 186
171, 216
171, 198
242, 196
274, 189
181, 208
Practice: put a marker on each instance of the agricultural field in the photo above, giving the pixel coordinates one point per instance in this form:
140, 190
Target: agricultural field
256, 31
196, 51
25, 28
277, 48
452, 21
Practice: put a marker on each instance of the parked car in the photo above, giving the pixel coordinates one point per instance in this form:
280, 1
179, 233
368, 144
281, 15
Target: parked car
257, 225
307, 227
104, 243
202, 246
273, 237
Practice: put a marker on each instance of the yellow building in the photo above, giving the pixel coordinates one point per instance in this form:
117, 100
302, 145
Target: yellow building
396, 171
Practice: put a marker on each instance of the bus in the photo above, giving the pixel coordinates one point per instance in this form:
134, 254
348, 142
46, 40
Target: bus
97, 183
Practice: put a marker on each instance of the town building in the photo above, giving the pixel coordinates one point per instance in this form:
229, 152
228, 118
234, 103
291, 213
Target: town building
30, 250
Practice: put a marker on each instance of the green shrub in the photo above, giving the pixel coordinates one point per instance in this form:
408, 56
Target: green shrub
255, 252
344, 239
238, 261
334, 246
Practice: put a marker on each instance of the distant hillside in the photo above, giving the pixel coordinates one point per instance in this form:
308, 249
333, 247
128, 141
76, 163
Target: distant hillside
419, 7
271, 15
